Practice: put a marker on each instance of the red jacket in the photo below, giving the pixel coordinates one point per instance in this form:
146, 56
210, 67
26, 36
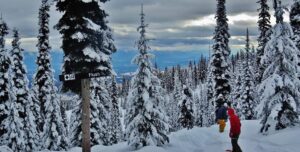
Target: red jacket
235, 123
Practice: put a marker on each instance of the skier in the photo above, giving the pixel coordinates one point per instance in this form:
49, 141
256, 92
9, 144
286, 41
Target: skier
221, 117
235, 129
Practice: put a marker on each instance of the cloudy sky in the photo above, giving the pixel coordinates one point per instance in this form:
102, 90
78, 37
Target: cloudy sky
176, 25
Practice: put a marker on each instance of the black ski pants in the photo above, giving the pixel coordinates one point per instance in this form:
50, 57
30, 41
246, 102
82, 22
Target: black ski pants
235, 145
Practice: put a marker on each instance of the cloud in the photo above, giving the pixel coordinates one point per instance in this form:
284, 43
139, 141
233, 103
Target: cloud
175, 24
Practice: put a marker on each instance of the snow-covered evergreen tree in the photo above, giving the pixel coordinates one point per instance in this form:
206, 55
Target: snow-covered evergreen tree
237, 90
200, 105
125, 86
20, 94
202, 69
247, 100
15, 124
87, 44
63, 108
44, 71
295, 24
168, 80
87, 39
15, 136
264, 26
45, 102
4, 80
186, 115
146, 122
279, 92
101, 99
116, 126
195, 75
210, 104
295, 21
219, 61
18, 76
75, 132
173, 111
99, 118
33, 140
190, 76
198, 113
54, 132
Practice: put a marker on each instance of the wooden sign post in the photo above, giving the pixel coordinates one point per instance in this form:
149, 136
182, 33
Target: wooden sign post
85, 93
85, 126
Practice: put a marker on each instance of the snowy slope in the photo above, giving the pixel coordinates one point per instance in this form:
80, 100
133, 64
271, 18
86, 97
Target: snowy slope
210, 140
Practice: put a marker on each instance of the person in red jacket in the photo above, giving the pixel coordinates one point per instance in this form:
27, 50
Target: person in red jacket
235, 130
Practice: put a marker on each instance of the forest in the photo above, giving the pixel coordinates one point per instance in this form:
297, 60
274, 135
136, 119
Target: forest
260, 82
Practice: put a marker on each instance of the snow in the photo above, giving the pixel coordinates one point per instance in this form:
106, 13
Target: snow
90, 52
79, 35
69, 114
87, 1
296, 18
210, 140
5, 149
91, 24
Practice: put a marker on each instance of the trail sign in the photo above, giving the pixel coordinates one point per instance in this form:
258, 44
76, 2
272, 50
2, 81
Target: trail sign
79, 76
85, 93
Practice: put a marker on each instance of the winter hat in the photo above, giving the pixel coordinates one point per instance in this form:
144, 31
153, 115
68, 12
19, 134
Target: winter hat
225, 104
230, 111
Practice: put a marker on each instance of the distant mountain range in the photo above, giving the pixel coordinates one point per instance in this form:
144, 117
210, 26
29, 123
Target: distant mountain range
121, 61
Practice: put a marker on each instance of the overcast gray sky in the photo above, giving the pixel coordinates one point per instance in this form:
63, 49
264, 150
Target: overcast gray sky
176, 25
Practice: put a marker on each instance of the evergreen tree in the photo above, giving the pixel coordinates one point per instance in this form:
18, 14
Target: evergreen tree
200, 106
46, 105
173, 111
209, 105
15, 137
4, 80
33, 140
116, 126
237, 92
164, 78
99, 118
295, 24
87, 40
189, 77
279, 92
54, 134
264, 26
22, 96
146, 122
186, 114
63, 108
195, 75
125, 86
247, 91
87, 44
102, 101
202, 69
219, 61
44, 72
